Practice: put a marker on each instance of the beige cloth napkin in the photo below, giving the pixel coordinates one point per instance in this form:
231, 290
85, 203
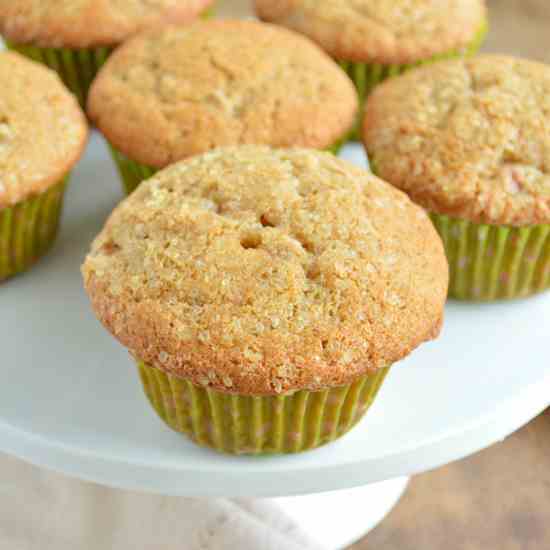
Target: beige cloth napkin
41, 510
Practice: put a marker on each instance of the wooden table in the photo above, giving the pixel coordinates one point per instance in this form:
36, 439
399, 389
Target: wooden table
520, 27
498, 499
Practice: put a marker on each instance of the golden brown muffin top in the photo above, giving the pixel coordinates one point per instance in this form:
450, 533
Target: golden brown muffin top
89, 23
43, 131
262, 271
179, 91
380, 31
470, 139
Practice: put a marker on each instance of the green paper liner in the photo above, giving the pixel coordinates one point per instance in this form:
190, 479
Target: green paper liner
209, 12
489, 262
335, 149
366, 76
258, 425
77, 68
133, 173
28, 230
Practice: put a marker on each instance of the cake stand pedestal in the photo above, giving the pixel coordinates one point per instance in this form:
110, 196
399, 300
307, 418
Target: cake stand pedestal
340, 518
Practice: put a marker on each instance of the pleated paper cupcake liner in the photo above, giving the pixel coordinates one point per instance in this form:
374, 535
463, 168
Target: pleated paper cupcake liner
28, 230
133, 173
258, 425
76, 68
209, 12
490, 262
366, 76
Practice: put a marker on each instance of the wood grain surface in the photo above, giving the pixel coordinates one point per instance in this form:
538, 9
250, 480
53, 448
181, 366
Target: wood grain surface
498, 499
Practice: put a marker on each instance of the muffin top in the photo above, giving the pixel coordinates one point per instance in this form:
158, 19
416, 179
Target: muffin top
381, 31
42, 129
89, 23
470, 139
262, 271
178, 91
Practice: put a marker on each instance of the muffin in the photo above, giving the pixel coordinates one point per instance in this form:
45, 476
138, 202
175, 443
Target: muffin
180, 91
469, 140
377, 39
75, 37
43, 132
265, 293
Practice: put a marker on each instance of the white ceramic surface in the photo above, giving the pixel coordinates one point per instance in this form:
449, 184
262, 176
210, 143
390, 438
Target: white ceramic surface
338, 519
70, 398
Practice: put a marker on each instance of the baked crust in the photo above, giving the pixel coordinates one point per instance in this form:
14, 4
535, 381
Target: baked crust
260, 271
180, 91
43, 131
467, 138
89, 23
381, 31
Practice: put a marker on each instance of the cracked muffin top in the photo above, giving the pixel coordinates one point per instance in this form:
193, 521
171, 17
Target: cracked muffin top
262, 271
89, 23
381, 31
470, 139
178, 91
43, 131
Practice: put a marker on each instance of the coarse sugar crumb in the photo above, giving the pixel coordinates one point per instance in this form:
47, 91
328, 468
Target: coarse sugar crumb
42, 129
467, 138
328, 290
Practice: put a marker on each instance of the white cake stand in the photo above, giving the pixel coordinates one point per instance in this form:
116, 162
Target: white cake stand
70, 398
